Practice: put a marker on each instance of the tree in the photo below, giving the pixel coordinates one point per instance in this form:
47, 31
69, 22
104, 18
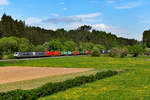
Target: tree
12, 44
38, 36
136, 50
100, 47
40, 48
1, 53
85, 28
146, 38
96, 52
23, 45
70, 46
8, 45
119, 52
87, 46
54, 45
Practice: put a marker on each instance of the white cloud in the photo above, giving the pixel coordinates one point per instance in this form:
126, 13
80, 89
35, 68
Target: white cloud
82, 18
55, 14
73, 22
74, 19
33, 20
129, 5
74, 25
110, 2
88, 15
94, 26
4, 2
71, 26
100, 27
143, 20
61, 3
64, 9
1, 8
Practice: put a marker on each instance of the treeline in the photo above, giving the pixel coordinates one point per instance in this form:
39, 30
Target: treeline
38, 36
9, 45
146, 38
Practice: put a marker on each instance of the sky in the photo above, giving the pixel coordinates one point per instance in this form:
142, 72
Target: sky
125, 18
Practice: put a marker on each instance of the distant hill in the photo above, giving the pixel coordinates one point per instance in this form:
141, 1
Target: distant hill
36, 35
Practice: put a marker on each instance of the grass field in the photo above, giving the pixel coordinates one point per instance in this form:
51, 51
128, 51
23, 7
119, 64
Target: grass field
34, 83
133, 85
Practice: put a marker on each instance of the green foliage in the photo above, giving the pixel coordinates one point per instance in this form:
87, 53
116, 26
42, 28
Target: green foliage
23, 45
8, 56
69, 46
53, 45
87, 46
146, 37
12, 44
101, 89
136, 50
51, 88
118, 52
85, 28
38, 36
100, 47
40, 48
114, 53
9, 45
1, 55
95, 53
123, 52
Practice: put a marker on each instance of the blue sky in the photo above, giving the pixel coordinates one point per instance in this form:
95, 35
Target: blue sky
126, 18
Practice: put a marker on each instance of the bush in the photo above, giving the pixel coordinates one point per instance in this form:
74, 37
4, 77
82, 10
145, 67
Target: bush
10, 45
114, 53
100, 47
95, 53
39, 48
51, 88
87, 46
123, 52
9, 56
118, 52
53, 45
136, 50
69, 46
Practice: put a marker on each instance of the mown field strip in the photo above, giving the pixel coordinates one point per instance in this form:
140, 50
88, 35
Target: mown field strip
52, 88
34, 83
14, 74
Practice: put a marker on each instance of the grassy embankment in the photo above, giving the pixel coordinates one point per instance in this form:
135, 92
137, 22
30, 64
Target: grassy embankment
34, 83
133, 85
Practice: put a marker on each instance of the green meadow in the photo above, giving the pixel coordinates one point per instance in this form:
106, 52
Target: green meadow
132, 85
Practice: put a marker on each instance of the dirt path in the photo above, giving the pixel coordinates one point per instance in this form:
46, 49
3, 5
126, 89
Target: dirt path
14, 74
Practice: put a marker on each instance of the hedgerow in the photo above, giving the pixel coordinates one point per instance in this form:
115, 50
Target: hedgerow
51, 88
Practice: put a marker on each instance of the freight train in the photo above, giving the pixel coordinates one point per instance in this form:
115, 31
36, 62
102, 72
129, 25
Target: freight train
49, 54
53, 53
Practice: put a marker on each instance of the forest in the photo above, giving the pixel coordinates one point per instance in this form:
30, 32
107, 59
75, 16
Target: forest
37, 36
16, 36
146, 38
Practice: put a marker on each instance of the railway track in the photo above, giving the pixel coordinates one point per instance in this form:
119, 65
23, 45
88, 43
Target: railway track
36, 58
